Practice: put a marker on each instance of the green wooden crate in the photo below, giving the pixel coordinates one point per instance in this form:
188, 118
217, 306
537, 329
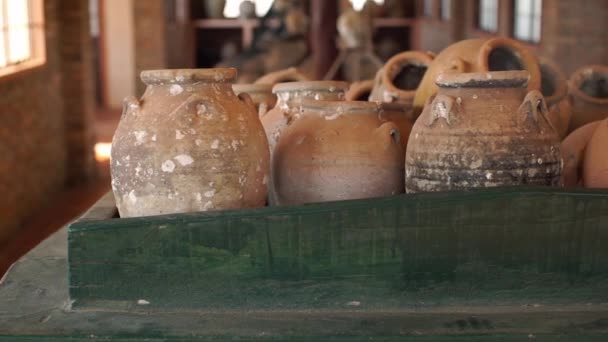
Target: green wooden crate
494, 261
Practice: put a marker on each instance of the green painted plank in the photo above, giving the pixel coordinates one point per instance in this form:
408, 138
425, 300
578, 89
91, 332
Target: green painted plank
486, 247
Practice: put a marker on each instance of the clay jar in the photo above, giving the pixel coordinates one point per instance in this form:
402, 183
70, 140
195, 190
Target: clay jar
282, 76
337, 151
482, 130
589, 92
398, 79
478, 55
360, 91
261, 94
401, 115
289, 96
595, 167
190, 144
573, 153
554, 87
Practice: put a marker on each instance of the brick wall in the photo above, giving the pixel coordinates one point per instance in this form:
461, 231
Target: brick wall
32, 150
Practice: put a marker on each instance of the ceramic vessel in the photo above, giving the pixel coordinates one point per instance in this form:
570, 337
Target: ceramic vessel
261, 94
360, 91
482, 130
190, 144
478, 55
282, 76
323, 156
399, 78
401, 115
589, 92
215, 8
573, 153
595, 165
554, 87
247, 10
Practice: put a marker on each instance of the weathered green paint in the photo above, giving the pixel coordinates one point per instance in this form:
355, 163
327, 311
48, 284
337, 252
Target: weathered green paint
483, 248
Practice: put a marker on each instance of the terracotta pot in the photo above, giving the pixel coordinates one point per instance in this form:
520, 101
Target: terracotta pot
360, 91
190, 144
289, 96
400, 76
589, 92
573, 152
322, 156
595, 165
478, 55
482, 130
554, 87
401, 115
261, 94
282, 76
215, 8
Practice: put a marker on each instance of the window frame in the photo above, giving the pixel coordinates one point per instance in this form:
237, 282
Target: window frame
37, 39
478, 16
442, 8
532, 17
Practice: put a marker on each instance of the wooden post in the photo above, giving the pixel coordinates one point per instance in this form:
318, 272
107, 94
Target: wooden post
323, 34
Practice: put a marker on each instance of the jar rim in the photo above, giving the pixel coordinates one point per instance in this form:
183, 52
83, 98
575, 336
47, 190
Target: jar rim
252, 88
330, 86
580, 75
489, 79
188, 76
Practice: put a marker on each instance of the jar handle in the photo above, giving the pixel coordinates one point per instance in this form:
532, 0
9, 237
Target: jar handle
130, 104
443, 107
533, 108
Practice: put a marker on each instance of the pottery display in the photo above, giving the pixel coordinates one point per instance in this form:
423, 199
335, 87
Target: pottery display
573, 153
261, 94
478, 55
282, 76
190, 144
360, 91
399, 78
589, 93
482, 130
554, 87
322, 156
214, 8
595, 164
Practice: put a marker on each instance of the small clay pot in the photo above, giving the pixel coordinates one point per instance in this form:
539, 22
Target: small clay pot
282, 76
482, 130
360, 91
261, 94
573, 153
478, 55
247, 10
399, 78
554, 87
338, 151
589, 92
215, 8
190, 144
595, 165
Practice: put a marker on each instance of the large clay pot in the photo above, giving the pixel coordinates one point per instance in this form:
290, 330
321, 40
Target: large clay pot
289, 95
595, 167
282, 76
360, 91
573, 153
190, 144
337, 151
482, 130
401, 115
589, 92
215, 8
478, 55
261, 94
399, 78
554, 87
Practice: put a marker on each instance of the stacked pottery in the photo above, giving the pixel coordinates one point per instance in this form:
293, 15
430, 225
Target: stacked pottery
190, 144
595, 167
261, 94
478, 55
399, 78
338, 150
573, 154
554, 87
589, 92
482, 130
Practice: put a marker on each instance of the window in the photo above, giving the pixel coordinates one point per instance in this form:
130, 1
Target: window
232, 7
445, 9
358, 4
527, 20
427, 9
21, 35
488, 15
